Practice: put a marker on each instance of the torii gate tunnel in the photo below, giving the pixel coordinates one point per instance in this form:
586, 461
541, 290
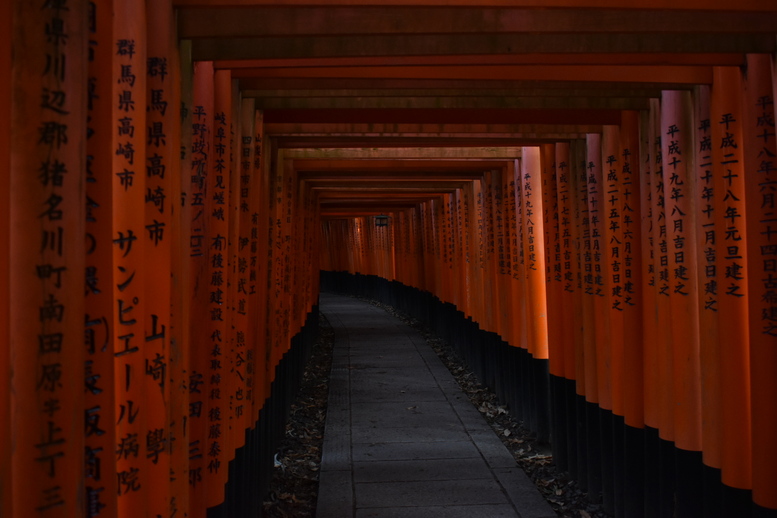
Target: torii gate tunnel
580, 195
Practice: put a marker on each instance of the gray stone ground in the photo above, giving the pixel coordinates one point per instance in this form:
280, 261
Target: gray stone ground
401, 438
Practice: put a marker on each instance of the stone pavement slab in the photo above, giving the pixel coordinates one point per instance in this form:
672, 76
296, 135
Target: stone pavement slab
401, 439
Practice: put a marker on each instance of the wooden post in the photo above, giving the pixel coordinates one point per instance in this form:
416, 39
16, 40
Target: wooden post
161, 151
46, 270
204, 319
707, 279
181, 67
597, 286
760, 178
531, 172
100, 307
614, 259
677, 164
632, 382
130, 240
731, 240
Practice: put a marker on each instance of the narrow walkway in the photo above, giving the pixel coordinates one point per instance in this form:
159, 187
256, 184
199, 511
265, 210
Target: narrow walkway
401, 439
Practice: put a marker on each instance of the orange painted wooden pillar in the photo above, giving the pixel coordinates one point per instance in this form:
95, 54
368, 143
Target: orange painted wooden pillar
445, 290
465, 236
731, 240
479, 252
664, 380
648, 194
161, 151
579, 207
531, 175
614, 253
469, 236
452, 245
631, 191
485, 273
760, 152
599, 281
99, 305
505, 231
567, 251
552, 246
247, 323
236, 301
677, 149
219, 292
181, 67
598, 290
203, 253
629, 178
129, 243
493, 231
46, 269
589, 350
259, 260
521, 335
614, 257
707, 278
510, 236
6, 14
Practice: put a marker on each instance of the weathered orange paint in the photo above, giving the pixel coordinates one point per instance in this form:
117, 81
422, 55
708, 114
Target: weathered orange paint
676, 146
531, 172
596, 280
614, 259
758, 107
731, 240
200, 255
706, 273
46, 266
630, 177
100, 305
162, 149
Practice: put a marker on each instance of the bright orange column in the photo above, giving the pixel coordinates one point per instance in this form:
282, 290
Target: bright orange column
662, 380
219, 295
614, 257
760, 179
246, 287
46, 270
630, 191
202, 254
731, 240
531, 175
677, 151
707, 275
182, 69
521, 332
552, 245
568, 261
178, 351
648, 252
258, 262
597, 281
100, 307
510, 254
129, 242
585, 355
161, 150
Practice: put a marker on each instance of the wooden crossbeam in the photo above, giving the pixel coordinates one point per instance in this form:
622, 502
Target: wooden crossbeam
234, 48
259, 21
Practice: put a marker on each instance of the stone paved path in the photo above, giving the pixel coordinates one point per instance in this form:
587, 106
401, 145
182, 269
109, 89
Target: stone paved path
401, 439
